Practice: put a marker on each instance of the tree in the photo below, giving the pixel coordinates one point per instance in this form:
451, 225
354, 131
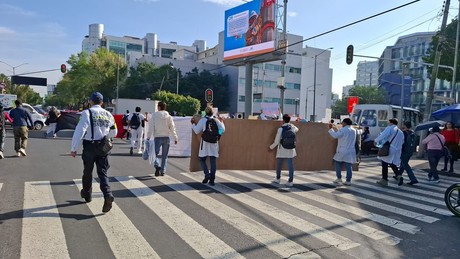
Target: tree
24, 92
447, 52
183, 105
366, 95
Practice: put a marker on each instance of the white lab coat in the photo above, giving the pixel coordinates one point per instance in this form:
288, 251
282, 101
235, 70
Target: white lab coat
394, 156
281, 152
345, 151
206, 148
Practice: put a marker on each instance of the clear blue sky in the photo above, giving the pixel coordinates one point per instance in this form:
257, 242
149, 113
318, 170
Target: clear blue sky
45, 33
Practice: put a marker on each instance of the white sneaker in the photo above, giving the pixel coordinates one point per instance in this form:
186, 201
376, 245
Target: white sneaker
1, 155
289, 184
347, 183
276, 180
23, 152
337, 181
18, 154
139, 152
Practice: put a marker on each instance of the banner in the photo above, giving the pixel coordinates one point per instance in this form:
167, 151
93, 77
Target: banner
352, 101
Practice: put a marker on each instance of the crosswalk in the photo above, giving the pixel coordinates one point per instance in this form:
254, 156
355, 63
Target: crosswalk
243, 215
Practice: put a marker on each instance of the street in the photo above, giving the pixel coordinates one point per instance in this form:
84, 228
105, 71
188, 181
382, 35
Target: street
242, 216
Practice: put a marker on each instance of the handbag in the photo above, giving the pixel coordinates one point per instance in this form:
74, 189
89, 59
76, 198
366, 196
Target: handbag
445, 150
101, 147
385, 149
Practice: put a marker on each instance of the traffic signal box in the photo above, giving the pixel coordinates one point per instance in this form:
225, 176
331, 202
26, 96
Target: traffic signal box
208, 96
63, 68
349, 54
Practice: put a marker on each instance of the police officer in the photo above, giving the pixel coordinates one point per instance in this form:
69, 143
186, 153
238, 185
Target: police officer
103, 126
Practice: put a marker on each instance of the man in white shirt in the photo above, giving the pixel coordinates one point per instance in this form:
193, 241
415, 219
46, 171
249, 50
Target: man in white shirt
136, 123
161, 125
93, 132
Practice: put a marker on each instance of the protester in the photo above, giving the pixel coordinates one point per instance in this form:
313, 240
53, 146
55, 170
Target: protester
407, 151
451, 134
284, 139
53, 116
93, 132
125, 122
396, 139
345, 152
22, 122
2, 131
211, 129
160, 127
136, 123
435, 150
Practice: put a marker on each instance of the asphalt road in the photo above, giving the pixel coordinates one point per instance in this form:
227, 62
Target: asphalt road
175, 216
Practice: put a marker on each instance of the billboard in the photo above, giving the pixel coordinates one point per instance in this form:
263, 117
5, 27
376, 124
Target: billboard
249, 29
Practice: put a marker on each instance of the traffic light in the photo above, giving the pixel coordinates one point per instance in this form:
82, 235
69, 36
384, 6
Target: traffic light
208, 95
63, 68
349, 54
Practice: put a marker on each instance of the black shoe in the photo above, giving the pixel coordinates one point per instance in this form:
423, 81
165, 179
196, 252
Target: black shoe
157, 171
107, 204
131, 151
395, 177
400, 180
205, 180
412, 182
451, 171
162, 174
86, 195
444, 170
211, 182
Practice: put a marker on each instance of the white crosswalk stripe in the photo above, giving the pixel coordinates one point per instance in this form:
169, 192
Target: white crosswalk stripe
341, 218
1, 185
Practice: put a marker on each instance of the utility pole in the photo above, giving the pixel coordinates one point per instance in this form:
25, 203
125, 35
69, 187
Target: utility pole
454, 77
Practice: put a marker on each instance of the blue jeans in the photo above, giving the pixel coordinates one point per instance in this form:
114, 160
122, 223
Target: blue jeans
405, 166
211, 175
279, 163
433, 159
162, 142
338, 170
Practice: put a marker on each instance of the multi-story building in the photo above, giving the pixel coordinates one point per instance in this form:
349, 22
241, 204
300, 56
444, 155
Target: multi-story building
300, 93
410, 49
346, 90
367, 73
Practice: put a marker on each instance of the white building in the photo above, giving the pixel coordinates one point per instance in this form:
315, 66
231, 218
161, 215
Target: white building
346, 90
367, 73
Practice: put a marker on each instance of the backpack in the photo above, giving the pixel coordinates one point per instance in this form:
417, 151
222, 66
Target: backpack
288, 138
135, 123
211, 132
124, 120
410, 143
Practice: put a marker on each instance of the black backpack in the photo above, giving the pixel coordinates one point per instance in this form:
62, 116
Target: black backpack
124, 120
410, 142
135, 122
211, 132
288, 138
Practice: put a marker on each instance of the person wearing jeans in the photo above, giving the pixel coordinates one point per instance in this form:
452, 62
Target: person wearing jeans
161, 125
345, 152
406, 154
283, 153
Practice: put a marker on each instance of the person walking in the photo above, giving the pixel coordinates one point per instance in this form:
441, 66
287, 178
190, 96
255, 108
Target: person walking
408, 149
95, 126
345, 153
22, 122
452, 137
53, 116
366, 142
284, 140
211, 129
136, 123
2, 131
161, 125
125, 122
396, 139
435, 150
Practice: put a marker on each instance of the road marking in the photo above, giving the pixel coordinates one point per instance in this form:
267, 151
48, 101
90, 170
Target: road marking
124, 238
390, 198
362, 229
340, 242
199, 238
273, 241
42, 231
344, 207
1, 185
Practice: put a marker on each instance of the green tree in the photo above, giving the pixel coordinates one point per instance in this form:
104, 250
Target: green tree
447, 52
142, 82
183, 105
24, 92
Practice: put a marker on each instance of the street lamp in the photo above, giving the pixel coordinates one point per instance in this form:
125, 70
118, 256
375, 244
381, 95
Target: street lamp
13, 67
297, 100
313, 116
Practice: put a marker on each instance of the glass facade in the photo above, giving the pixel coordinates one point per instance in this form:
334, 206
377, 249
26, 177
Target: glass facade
117, 47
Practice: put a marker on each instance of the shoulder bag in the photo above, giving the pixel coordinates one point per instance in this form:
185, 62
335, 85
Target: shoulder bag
101, 147
385, 149
445, 149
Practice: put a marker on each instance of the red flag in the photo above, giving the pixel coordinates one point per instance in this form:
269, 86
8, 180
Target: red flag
352, 101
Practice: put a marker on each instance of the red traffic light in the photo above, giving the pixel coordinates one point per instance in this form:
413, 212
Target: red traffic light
349, 54
208, 96
63, 68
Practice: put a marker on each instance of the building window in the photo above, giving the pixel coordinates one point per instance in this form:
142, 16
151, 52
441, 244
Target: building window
167, 53
241, 98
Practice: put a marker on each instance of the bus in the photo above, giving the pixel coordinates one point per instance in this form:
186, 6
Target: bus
376, 116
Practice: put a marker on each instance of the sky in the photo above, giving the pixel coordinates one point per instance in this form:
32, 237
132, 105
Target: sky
42, 35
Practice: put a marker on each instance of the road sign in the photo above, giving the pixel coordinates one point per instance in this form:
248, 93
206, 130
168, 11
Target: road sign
24, 80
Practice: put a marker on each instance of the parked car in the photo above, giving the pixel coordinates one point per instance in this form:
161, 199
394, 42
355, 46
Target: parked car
41, 110
37, 118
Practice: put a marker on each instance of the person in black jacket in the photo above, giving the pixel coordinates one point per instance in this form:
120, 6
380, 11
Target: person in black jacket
408, 149
51, 121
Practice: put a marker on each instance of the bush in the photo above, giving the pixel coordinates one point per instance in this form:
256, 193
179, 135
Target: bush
183, 105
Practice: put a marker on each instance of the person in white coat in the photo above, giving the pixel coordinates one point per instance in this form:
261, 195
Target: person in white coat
345, 152
208, 149
137, 130
283, 153
396, 138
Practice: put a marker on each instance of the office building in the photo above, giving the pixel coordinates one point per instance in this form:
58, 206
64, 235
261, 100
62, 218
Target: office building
367, 73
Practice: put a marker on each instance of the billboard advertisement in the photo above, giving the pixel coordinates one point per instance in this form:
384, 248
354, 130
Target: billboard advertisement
249, 29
